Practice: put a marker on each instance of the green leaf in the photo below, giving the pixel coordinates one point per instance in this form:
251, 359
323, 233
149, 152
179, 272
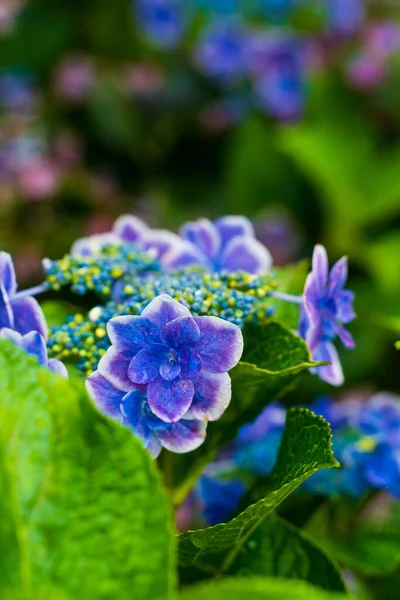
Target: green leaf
274, 358
258, 589
83, 511
278, 549
305, 448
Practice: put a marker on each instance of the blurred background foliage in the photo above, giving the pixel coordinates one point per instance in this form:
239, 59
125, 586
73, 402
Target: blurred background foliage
286, 111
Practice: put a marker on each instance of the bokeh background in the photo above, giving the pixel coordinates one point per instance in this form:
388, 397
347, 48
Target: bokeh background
287, 111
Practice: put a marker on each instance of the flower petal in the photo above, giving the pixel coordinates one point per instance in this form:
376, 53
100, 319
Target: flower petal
114, 367
154, 446
33, 343
163, 309
212, 395
58, 367
344, 301
246, 254
28, 316
129, 228
132, 408
320, 269
180, 332
338, 276
183, 256
184, 436
332, 373
159, 242
203, 234
12, 335
7, 273
191, 363
221, 344
145, 366
105, 396
345, 336
6, 313
232, 226
129, 334
170, 372
170, 400
92, 244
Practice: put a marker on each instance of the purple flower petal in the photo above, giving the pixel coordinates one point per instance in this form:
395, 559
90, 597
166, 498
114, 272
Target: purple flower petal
170, 400
183, 256
338, 276
212, 395
345, 312
106, 397
28, 316
114, 367
129, 334
130, 229
91, 245
58, 367
145, 366
132, 408
153, 446
191, 363
163, 309
332, 373
345, 337
221, 344
320, 269
184, 436
12, 335
246, 254
161, 242
232, 226
180, 332
7, 273
6, 313
169, 372
203, 234
33, 343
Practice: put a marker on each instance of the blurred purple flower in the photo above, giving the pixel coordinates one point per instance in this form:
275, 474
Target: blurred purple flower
131, 409
365, 72
162, 21
33, 343
278, 63
21, 313
327, 306
74, 78
182, 360
228, 244
382, 40
345, 16
222, 51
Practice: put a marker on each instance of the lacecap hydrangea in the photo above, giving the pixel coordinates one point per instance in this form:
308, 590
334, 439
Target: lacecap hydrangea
166, 373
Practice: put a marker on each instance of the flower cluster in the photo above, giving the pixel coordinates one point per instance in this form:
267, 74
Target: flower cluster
237, 298
166, 374
366, 441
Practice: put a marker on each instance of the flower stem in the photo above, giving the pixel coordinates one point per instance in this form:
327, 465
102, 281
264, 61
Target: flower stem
287, 297
166, 464
33, 291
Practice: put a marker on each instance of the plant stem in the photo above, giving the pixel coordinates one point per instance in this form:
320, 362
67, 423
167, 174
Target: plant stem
33, 291
287, 297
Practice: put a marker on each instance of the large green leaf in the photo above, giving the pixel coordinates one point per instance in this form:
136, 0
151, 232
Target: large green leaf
83, 511
258, 589
305, 448
278, 549
273, 358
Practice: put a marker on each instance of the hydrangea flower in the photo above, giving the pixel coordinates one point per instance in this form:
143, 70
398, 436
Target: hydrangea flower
326, 307
128, 228
366, 441
132, 410
166, 373
33, 343
18, 312
162, 21
345, 16
228, 244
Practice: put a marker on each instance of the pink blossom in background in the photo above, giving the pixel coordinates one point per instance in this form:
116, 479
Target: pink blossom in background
143, 80
74, 78
38, 180
365, 72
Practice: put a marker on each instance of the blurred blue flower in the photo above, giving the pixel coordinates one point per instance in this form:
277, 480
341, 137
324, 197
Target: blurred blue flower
162, 21
345, 16
182, 360
327, 306
279, 71
17, 311
226, 245
132, 410
33, 343
222, 50
219, 497
17, 93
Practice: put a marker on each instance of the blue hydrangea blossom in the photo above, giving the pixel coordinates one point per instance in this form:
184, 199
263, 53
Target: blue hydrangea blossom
326, 307
17, 311
33, 343
228, 244
176, 365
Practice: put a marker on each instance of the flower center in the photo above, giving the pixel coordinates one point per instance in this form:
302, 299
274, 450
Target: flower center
170, 367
